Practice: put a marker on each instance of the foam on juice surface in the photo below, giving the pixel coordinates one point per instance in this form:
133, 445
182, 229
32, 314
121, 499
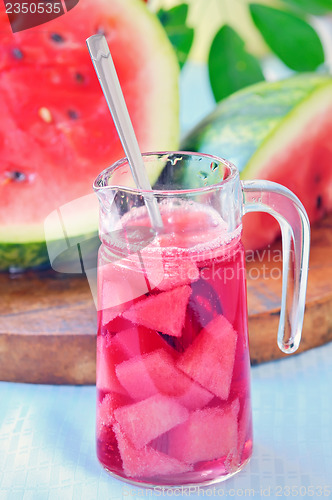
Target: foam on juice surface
190, 229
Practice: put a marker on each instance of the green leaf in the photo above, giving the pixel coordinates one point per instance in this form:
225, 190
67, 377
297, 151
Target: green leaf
230, 66
316, 7
291, 38
180, 35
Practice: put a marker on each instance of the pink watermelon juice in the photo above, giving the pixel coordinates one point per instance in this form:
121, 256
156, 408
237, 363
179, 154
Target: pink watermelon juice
172, 355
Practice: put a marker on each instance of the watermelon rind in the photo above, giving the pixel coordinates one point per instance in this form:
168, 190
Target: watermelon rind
292, 126
15, 257
27, 245
254, 123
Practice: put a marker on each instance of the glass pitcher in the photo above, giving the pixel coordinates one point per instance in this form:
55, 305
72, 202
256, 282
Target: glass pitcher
173, 365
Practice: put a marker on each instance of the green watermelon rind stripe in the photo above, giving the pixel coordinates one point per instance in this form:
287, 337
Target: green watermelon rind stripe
34, 255
18, 256
287, 128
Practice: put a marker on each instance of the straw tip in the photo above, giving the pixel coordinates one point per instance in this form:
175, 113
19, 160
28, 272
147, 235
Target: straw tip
98, 47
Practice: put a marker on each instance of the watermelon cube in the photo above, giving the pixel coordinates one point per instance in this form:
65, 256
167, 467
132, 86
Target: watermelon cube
148, 419
108, 356
139, 340
209, 360
174, 273
208, 434
118, 286
164, 312
160, 443
118, 324
146, 462
156, 372
105, 411
111, 313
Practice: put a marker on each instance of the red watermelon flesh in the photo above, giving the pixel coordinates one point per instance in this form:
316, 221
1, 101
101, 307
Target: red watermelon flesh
56, 131
164, 312
108, 356
118, 290
156, 373
206, 435
105, 411
175, 272
118, 287
147, 461
118, 324
209, 360
139, 340
110, 314
148, 419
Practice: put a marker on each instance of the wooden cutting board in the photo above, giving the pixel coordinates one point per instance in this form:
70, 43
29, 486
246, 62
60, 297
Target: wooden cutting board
48, 319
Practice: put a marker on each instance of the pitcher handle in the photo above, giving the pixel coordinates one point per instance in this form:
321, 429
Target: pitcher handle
276, 200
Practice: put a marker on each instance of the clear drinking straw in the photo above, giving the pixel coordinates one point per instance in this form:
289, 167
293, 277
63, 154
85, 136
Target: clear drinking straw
108, 78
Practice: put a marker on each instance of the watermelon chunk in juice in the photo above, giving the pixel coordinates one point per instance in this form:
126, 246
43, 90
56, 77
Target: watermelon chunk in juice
146, 462
108, 356
118, 324
143, 421
111, 313
175, 272
164, 312
207, 434
118, 288
105, 411
156, 373
210, 358
138, 340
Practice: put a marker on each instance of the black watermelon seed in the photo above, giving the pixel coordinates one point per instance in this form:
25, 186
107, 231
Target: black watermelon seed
17, 176
17, 53
101, 31
79, 77
57, 38
319, 202
73, 114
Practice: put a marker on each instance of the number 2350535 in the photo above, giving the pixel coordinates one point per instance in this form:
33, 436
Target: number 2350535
33, 7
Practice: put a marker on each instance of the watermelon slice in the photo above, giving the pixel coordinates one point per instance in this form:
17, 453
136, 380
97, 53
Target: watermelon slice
164, 312
56, 132
209, 360
279, 131
148, 419
206, 435
156, 373
147, 461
